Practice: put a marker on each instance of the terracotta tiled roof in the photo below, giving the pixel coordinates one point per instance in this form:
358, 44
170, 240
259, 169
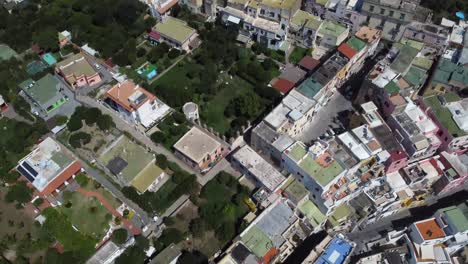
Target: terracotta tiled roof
346, 50
122, 91
309, 63
429, 229
60, 179
283, 85
163, 10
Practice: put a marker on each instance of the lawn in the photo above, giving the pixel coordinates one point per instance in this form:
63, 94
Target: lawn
297, 54
91, 186
87, 214
177, 86
212, 112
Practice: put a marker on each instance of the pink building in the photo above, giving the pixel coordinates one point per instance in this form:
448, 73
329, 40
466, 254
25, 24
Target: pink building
455, 173
78, 72
452, 120
200, 150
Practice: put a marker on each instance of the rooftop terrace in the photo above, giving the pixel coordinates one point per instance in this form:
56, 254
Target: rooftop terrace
331, 28
443, 114
323, 175
175, 29
124, 157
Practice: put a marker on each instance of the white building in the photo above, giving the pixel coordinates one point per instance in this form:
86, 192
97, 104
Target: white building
265, 22
254, 166
292, 114
135, 104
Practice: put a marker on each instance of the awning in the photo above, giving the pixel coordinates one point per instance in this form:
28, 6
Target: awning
233, 19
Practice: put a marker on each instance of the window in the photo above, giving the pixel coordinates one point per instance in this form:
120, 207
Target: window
402, 16
371, 8
262, 12
283, 26
272, 14
382, 11
391, 13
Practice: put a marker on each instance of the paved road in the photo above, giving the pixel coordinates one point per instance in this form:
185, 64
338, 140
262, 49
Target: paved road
11, 114
325, 118
136, 133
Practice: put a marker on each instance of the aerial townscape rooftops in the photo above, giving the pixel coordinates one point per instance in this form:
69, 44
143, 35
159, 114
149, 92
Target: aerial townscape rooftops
234, 132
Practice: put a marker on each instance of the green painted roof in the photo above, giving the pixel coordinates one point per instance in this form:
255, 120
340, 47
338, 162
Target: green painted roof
296, 190
392, 88
310, 87
456, 217
460, 76
340, 213
322, 175
146, 177
423, 62
404, 59
257, 241
451, 97
311, 211
135, 155
175, 29
42, 91
356, 43
441, 76
443, 115
448, 71
331, 28
283, 4
413, 43
415, 76
77, 65
321, 2
239, 2
307, 19
297, 152
447, 66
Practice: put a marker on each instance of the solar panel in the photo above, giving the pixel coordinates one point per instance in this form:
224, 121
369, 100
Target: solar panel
29, 168
25, 174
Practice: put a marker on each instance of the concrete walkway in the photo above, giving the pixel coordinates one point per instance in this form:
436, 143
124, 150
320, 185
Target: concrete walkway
135, 230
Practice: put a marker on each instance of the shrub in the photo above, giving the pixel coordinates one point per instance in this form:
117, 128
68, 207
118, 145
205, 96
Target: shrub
140, 52
38, 202
61, 120
74, 123
78, 139
19, 192
173, 53
105, 122
158, 137
161, 161
82, 179
119, 236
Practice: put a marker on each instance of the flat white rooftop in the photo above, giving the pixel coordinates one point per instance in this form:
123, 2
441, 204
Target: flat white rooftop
196, 145
259, 168
44, 163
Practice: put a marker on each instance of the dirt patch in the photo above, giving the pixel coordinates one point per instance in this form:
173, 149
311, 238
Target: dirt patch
16, 227
184, 216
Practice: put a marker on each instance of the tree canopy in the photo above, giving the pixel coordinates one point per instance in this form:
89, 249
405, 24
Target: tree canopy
106, 25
